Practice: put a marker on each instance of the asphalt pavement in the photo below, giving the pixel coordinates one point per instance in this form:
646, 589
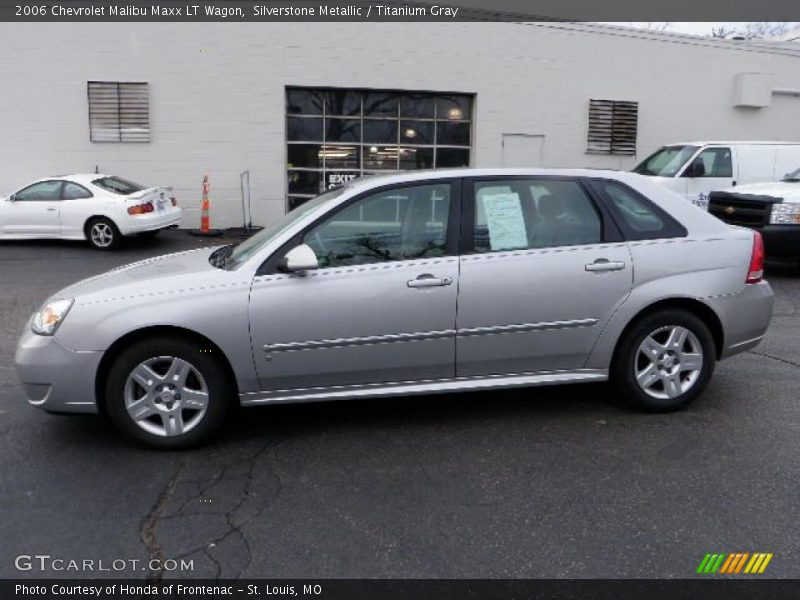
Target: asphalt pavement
547, 482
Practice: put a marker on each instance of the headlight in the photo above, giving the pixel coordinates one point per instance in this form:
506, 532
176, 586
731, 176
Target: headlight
49, 317
785, 214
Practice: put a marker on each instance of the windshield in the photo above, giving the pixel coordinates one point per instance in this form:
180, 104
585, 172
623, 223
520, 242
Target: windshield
252, 245
118, 185
666, 162
794, 176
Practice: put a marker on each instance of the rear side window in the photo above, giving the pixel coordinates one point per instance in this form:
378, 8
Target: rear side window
118, 185
520, 213
73, 191
638, 217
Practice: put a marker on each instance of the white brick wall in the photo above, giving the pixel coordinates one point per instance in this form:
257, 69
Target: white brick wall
217, 93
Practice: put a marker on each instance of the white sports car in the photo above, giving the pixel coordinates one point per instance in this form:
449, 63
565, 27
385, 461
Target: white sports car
94, 207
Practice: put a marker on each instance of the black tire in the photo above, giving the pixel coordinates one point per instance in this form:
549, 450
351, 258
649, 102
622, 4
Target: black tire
103, 234
664, 395
149, 234
212, 377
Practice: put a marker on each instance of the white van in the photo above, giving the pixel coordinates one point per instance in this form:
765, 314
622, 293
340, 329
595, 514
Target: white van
695, 169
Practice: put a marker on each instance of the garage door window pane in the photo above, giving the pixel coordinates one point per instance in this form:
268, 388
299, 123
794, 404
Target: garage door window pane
305, 182
341, 157
380, 157
418, 105
381, 104
304, 129
451, 157
343, 103
380, 131
416, 158
453, 107
343, 130
416, 132
452, 134
304, 102
304, 155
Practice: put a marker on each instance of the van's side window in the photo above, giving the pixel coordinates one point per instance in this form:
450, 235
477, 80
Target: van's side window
717, 162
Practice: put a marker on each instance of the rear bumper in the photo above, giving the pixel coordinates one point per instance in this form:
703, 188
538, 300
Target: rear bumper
150, 221
745, 317
54, 377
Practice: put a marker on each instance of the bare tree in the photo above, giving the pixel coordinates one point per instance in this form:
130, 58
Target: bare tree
753, 31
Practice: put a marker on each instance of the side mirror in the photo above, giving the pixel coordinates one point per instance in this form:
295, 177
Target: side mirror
696, 169
299, 258
12, 198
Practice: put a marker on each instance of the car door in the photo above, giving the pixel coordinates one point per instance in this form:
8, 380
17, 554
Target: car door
711, 170
34, 210
543, 269
381, 306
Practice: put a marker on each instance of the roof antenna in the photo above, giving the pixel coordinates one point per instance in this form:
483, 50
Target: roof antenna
97, 169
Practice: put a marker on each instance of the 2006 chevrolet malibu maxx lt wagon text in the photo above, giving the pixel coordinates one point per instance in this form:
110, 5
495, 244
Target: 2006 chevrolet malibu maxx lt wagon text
404, 284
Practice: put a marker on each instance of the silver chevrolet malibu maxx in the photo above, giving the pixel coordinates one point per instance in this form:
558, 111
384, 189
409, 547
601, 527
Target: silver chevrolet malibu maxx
413, 283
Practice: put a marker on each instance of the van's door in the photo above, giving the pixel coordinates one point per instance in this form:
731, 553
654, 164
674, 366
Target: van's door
712, 169
756, 163
787, 159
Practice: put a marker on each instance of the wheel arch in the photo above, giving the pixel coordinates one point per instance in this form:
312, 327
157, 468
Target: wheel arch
113, 352
696, 307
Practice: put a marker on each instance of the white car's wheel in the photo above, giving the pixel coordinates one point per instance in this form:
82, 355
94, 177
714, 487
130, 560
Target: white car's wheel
102, 233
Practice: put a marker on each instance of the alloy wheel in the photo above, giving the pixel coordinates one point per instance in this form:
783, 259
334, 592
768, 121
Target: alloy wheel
102, 234
166, 396
668, 362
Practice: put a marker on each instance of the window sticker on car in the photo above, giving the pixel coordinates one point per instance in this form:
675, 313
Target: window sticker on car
505, 221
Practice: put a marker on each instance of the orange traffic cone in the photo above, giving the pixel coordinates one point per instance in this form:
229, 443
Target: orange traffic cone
205, 219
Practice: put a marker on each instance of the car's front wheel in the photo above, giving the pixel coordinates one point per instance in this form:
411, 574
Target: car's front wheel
168, 393
664, 361
103, 234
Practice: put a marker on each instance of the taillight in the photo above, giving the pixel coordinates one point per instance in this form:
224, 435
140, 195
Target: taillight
141, 209
755, 272
173, 200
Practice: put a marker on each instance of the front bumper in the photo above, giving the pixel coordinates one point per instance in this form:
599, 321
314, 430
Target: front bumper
54, 377
150, 221
781, 241
745, 317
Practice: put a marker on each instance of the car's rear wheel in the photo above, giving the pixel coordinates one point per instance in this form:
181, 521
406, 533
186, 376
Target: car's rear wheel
103, 234
664, 361
168, 393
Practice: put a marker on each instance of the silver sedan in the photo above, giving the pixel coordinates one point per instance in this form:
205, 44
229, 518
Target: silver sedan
410, 284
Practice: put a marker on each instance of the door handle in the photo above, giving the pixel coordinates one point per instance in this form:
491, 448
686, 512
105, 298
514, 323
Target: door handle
603, 264
428, 280
50, 209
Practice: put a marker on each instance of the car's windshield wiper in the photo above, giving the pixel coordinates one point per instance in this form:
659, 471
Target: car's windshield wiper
219, 257
791, 179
